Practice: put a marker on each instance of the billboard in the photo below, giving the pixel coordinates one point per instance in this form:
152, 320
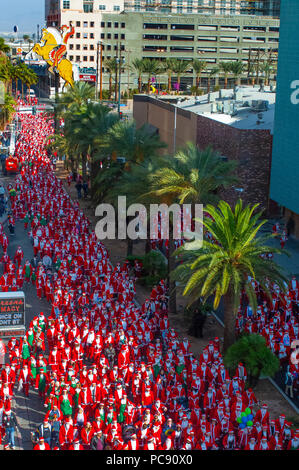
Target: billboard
12, 314
285, 156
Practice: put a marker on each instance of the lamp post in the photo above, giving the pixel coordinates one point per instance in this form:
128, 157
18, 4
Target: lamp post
99, 53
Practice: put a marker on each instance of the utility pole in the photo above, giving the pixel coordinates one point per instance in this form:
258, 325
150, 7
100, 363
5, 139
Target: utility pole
119, 78
97, 73
101, 72
116, 71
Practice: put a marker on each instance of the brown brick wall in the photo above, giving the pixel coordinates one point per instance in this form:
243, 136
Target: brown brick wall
251, 148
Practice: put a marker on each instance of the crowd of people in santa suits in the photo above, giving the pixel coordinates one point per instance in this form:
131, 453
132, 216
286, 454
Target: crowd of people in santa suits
277, 320
104, 367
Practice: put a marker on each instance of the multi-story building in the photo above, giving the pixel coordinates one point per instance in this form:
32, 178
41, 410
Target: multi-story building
220, 36
206, 7
213, 39
285, 161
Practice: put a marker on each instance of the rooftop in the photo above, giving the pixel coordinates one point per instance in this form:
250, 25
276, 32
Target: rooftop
243, 108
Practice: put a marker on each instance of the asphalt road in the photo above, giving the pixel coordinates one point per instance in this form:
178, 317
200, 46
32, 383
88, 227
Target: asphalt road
30, 411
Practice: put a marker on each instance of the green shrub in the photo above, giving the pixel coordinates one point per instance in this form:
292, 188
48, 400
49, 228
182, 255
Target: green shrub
253, 352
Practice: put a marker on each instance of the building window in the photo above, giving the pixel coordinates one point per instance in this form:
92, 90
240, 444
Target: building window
77, 47
123, 25
102, 24
92, 24
109, 36
122, 36
91, 58
78, 35
115, 36
88, 6
85, 24
66, 4
115, 25
77, 58
71, 46
78, 24
91, 35
85, 58
109, 24
85, 35
91, 47
102, 36
102, 7
85, 47
71, 57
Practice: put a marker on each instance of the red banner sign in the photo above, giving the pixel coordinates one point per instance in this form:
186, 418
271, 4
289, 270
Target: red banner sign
87, 77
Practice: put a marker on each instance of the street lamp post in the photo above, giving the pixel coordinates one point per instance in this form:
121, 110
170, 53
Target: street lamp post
99, 53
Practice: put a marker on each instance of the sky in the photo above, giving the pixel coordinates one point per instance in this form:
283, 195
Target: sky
26, 14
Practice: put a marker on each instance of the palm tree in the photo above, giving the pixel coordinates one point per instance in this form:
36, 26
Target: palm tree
135, 145
267, 69
212, 74
221, 269
237, 69
192, 176
225, 68
179, 67
26, 38
74, 98
168, 66
137, 66
150, 68
87, 128
111, 65
7, 110
31, 78
3, 46
198, 68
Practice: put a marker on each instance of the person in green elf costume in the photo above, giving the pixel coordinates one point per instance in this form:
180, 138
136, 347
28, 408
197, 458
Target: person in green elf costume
33, 367
122, 408
25, 350
65, 403
41, 383
57, 263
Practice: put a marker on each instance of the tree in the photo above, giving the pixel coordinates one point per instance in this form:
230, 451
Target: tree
168, 67
198, 68
111, 65
225, 68
212, 74
7, 110
237, 68
138, 66
254, 354
179, 67
191, 176
221, 269
135, 145
3, 46
74, 98
150, 68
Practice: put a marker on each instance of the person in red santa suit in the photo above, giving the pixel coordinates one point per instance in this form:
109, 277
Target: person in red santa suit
66, 433
76, 445
86, 435
132, 444
41, 445
252, 444
262, 415
263, 445
25, 379
229, 440
19, 255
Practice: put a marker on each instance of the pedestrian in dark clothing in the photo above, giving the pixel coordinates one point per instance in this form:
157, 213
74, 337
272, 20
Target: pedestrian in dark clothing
11, 425
85, 189
79, 189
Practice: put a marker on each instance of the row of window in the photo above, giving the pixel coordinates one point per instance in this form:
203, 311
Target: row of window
84, 35
164, 37
204, 50
115, 36
192, 27
88, 6
109, 24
